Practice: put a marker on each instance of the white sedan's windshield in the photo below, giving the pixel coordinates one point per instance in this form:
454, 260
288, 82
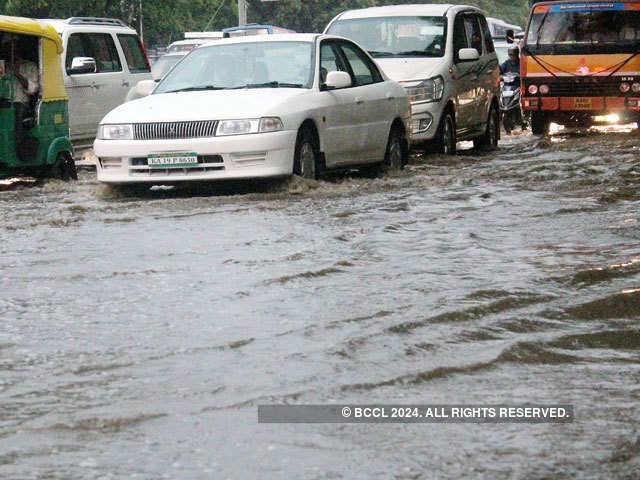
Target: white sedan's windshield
243, 65
395, 36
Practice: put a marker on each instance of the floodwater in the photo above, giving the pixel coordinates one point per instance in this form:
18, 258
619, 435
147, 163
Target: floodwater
139, 334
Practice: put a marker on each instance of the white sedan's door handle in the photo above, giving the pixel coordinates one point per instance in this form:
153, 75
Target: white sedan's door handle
125, 83
359, 100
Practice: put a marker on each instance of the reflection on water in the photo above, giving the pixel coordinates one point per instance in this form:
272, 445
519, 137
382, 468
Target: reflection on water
142, 329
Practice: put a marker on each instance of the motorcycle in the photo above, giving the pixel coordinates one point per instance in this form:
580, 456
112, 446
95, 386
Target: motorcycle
510, 101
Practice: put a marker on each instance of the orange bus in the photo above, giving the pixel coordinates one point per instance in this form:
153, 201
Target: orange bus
580, 63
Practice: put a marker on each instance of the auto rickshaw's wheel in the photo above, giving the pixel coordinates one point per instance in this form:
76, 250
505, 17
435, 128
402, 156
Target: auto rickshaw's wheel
64, 168
305, 162
489, 140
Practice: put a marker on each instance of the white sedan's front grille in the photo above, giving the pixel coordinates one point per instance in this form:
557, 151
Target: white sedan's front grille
174, 130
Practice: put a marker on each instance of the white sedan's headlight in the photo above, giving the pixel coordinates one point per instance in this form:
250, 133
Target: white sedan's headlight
429, 90
115, 132
247, 126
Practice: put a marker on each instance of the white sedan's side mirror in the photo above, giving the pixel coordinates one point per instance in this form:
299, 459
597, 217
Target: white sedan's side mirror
468, 54
141, 89
337, 80
145, 87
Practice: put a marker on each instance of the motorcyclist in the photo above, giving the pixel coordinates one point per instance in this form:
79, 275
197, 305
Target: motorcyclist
512, 67
512, 64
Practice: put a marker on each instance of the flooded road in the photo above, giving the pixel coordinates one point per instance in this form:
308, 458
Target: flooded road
140, 333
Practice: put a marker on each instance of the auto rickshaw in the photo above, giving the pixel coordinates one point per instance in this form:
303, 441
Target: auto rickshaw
34, 127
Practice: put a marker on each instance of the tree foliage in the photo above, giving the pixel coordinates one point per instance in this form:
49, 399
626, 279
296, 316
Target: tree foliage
162, 22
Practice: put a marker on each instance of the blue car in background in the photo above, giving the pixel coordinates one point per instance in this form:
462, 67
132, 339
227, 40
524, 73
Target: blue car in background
253, 29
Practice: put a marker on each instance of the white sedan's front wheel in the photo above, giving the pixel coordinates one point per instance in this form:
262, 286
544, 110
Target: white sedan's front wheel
305, 163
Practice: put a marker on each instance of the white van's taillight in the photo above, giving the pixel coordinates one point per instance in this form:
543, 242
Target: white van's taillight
144, 51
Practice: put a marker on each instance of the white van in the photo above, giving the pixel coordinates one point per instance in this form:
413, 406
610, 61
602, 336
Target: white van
499, 28
444, 57
103, 59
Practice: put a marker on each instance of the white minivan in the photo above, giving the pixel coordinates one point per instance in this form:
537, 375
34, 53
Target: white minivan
103, 58
444, 57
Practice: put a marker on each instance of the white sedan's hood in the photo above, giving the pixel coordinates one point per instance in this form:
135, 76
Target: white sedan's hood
202, 105
411, 68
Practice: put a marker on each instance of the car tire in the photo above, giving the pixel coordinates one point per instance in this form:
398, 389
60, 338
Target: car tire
446, 135
305, 162
539, 124
395, 156
64, 168
489, 139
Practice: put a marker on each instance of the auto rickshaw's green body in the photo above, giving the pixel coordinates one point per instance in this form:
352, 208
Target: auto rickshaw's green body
46, 149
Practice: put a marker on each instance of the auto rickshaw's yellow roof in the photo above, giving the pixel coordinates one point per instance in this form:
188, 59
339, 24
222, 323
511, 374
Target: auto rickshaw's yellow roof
27, 26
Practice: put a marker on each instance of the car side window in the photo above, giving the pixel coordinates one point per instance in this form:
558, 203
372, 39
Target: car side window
133, 53
486, 33
459, 35
364, 71
76, 47
474, 34
329, 61
99, 46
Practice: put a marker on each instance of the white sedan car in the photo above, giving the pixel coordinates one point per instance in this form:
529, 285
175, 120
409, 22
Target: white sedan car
257, 107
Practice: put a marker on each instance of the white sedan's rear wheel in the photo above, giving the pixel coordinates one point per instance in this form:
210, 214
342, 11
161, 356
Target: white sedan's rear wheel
394, 156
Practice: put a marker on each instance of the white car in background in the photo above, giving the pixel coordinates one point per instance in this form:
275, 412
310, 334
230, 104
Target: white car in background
444, 56
165, 63
185, 46
103, 58
258, 107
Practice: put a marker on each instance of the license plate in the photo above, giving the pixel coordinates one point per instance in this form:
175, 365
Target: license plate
508, 93
582, 104
172, 159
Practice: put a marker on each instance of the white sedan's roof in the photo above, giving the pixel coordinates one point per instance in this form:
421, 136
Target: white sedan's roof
422, 10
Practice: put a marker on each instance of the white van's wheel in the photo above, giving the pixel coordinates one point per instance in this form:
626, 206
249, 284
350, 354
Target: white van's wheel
446, 137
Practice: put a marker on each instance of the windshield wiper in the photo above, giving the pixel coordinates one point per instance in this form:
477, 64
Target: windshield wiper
373, 53
195, 89
273, 84
417, 53
544, 17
